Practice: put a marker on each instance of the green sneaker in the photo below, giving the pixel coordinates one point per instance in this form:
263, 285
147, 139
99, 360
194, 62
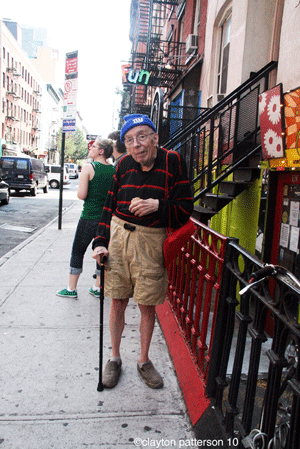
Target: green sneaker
67, 294
94, 293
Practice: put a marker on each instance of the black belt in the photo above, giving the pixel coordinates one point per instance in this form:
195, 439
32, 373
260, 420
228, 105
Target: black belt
129, 227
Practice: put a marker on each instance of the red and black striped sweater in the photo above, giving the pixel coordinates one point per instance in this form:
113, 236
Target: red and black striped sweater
130, 181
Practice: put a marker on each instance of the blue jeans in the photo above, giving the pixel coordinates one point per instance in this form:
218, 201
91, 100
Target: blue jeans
85, 233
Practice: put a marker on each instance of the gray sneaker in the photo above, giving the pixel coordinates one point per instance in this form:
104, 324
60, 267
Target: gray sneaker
111, 374
150, 375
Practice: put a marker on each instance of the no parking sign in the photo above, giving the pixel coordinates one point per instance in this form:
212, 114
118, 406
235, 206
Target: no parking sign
70, 92
90, 144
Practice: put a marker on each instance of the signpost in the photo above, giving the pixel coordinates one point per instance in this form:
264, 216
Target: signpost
69, 115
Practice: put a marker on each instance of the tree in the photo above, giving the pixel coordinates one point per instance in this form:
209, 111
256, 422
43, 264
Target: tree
76, 147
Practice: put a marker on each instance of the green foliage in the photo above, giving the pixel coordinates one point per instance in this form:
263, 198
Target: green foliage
76, 146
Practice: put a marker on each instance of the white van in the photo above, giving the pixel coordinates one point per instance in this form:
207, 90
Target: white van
72, 169
53, 173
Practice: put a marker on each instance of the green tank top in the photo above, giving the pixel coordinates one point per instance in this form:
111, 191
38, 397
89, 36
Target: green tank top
97, 191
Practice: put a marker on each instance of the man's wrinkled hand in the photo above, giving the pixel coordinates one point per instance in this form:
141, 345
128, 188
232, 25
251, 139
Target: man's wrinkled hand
144, 207
98, 253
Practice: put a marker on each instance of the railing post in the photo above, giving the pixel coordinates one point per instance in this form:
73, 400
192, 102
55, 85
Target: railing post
216, 378
210, 150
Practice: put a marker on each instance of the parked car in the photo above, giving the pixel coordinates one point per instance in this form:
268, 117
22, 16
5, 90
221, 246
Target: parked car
73, 170
4, 192
24, 173
53, 172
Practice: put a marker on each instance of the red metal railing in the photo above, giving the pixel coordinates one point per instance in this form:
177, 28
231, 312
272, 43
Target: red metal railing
188, 315
193, 293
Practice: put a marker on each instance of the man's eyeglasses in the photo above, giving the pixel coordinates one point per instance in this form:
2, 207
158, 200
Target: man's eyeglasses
141, 138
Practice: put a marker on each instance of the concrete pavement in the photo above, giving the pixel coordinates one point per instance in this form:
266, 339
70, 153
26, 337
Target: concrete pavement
50, 353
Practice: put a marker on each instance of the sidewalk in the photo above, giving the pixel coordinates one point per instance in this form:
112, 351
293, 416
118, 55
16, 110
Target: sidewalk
50, 356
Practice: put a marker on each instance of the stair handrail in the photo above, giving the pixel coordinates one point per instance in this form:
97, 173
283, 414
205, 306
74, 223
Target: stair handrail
225, 174
236, 93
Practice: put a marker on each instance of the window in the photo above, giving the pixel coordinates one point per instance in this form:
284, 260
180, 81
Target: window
3, 79
197, 17
3, 53
224, 56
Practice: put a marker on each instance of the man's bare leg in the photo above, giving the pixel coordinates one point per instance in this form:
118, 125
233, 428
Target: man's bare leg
117, 324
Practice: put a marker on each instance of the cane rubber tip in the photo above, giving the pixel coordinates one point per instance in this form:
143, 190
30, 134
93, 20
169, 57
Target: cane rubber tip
100, 387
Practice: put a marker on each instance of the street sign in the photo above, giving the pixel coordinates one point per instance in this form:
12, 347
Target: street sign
91, 137
71, 62
70, 92
69, 126
70, 99
90, 144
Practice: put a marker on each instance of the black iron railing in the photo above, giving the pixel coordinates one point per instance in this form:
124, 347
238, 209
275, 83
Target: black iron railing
254, 371
221, 138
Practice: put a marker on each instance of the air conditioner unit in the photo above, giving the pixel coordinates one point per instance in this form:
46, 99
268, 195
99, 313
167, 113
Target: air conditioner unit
191, 43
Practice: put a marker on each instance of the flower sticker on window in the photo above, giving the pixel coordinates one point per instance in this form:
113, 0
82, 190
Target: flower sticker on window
271, 119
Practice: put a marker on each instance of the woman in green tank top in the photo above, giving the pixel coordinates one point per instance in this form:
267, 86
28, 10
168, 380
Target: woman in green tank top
94, 182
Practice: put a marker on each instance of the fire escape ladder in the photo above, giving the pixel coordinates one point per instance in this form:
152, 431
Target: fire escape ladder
151, 53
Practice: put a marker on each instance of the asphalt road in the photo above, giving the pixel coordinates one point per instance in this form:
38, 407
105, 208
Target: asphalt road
25, 214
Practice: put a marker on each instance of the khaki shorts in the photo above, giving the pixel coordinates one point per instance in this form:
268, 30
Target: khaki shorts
135, 265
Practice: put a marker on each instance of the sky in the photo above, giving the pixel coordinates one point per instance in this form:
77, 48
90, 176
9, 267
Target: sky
99, 31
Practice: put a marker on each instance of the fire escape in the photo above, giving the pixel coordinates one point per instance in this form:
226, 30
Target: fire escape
154, 50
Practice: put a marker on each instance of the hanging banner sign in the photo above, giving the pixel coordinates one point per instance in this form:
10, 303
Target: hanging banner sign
70, 92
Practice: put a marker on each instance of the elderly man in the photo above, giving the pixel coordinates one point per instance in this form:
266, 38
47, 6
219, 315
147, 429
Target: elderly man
132, 231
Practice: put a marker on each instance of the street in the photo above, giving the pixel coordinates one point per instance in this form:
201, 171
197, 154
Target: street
26, 214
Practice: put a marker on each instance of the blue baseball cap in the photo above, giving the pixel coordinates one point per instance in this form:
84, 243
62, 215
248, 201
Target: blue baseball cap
133, 120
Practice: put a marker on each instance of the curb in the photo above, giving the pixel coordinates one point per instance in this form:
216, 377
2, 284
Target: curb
26, 242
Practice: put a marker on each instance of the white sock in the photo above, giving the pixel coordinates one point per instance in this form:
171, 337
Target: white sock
70, 289
96, 288
115, 359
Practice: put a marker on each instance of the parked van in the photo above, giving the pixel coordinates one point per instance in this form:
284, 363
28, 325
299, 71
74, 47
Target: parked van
24, 173
73, 170
53, 172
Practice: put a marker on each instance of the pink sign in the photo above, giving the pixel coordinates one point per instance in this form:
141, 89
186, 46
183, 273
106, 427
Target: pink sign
71, 65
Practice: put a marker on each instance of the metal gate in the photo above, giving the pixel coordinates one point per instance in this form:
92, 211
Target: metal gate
188, 315
223, 351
